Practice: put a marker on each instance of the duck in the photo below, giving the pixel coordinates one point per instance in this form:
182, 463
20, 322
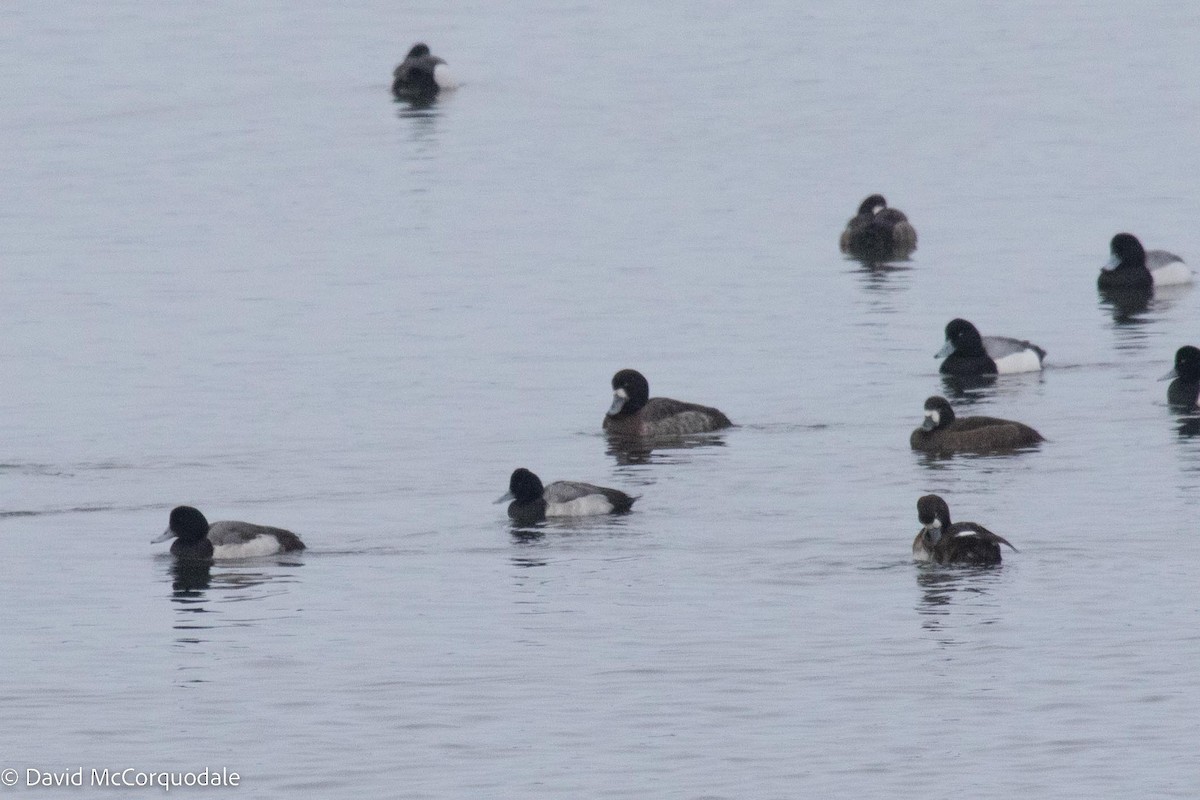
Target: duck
942, 433
1184, 390
878, 233
635, 413
421, 76
1133, 267
196, 538
957, 543
968, 353
532, 502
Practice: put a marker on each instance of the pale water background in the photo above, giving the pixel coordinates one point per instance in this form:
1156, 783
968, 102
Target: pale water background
237, 275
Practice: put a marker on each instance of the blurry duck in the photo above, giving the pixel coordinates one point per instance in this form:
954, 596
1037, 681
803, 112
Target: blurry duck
1132, 267
421, 76
1184, 390
878, 233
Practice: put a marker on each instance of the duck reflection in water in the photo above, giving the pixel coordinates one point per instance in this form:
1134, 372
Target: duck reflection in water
968, 389
194, 586
190, 577
946, 591
1127, 304
637, 450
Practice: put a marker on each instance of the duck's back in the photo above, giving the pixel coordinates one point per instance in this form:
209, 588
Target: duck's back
578, 499
1167, 269
233, 539
976, 434
970, 543
1013, 355
664, 416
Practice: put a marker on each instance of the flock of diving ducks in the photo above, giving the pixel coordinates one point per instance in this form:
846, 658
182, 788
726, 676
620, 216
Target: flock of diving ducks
876, 234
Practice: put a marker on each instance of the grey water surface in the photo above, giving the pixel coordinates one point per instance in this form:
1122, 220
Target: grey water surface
237, 275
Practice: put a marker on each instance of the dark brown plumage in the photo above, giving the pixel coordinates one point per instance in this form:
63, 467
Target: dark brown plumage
415, 79
878, 233
943, 433
944, 542
635, 413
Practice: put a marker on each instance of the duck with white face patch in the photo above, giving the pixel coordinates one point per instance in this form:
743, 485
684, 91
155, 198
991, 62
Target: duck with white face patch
635, 413
944, 542
944, 433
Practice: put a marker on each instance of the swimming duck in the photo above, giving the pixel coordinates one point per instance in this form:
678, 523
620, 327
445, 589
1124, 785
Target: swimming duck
878, 233
635, 413
1133, 267
196, 538
420, 76
1184, 391
942, 433
957, 543
968, 353
533, 502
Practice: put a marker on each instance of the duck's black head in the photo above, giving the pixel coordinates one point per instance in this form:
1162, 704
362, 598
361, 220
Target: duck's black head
1127, 252
871, 204
932, 508
419, 50
631, 391
1187, 364
965, 338
524, 486
938, 413
188, 524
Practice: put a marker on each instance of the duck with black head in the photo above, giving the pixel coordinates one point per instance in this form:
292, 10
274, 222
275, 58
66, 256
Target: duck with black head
421, 76
944, 542
533, 502
196, 538
635, 413
878, 233
966, 353
1131, 266
942, 433
1184, 391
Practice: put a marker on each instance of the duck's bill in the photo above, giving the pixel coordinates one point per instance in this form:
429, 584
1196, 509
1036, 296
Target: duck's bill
1113, 263
619, 398
167, 534
946, 350
504, 498
1170, 375
929, 424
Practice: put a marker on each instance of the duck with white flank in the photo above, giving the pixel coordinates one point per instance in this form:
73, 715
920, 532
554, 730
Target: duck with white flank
196, 538
1133, 267
421, 76
968, 354
532, 502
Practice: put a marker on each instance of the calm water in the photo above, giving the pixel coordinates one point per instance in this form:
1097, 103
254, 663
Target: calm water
237, 275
